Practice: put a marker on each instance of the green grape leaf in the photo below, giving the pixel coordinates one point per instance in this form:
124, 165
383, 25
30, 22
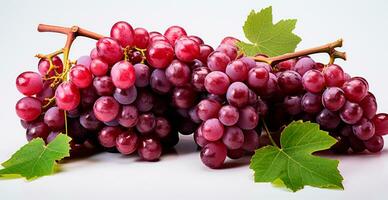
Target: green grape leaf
293, 162
35, 159
268, 38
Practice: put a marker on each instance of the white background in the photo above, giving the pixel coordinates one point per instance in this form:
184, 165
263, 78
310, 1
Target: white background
363, 26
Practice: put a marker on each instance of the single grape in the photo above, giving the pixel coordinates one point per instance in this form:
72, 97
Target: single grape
178, 73
228, 115
123, 33
198, 137
235, 153
233, 138
46, 93
290, 82
107, 136
38, 129
28, 108
345, 130
89, 121
145, 101
213, 154
159, 54
313, 81
183, 97
103, 85
123, 75
128, 116
141, 38
146, 123
54, 118
80, 76
173, 33
106, 108
311, 103
369, 106
109, 50
303, 65
328, 120
333, 98
286, 65
350, 113
88, 97
126, 142
355, 90
292, 104
84, 61
208, 108
248, 118
364, 129
125, 96
258, 77
212, 129
29, 83
67, 96
94, 53
230, 40
251, 141
186, 50
198, 78
193, 114
381, 123
217, 61
374, 144
270, 88
149, 149
356, 144
154, 33
196, 39
75, 113
229, 50
98, 67
162, 127
204, 52
217, 82
143, 73
159, 82
334, 75
158, 38
44, 66
237, 70
238, 94
342, 145
52, 135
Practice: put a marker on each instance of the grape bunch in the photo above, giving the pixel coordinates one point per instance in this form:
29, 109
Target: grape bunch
137, 90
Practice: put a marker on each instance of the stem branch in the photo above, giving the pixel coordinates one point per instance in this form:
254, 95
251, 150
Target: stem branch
269, 134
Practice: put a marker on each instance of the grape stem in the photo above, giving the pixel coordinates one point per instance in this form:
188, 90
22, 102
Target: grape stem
269, 134
327, 48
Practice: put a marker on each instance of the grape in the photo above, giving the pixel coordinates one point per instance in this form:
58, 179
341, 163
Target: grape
125, 96
342, 145
135, 57
213, 154
145, 101
107, 136
46, 93
28, 108
88, 97
159, 54
126, 142
103, 85
303, 65
109, 50
73, 113
217, 82
123, 33
251, 141
29, 83
89, 121
355, 90
334, 76
173, 33
237, 70
146, 123
54, 118
106, 108
238, 94
313, 81
140, 38
356, 144
84, 61
369, 106
149, 149
208, 108
199, 139
44, 66
381, 123
128, 116
67, 96
311, 103
374, 144
185, 126
186, 50
159, 82
158, 38
333, 98
229, 50
198, 78
98, 67
123, 75
248, 118
204, 52
258, 77
249, 62
235, 153
286, 65
261, 107
143, 74
290, 82
196, 39
328, 119
80, 76
293, 104
212, 129
350, 113
154, 33
178, 73
162, 127
93, 53
183, 97
271, 87
38, 129
217, 61
346, 130
233, 138
364, 129
193, 114
112, 123
52, 135
230, 40
228, 115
